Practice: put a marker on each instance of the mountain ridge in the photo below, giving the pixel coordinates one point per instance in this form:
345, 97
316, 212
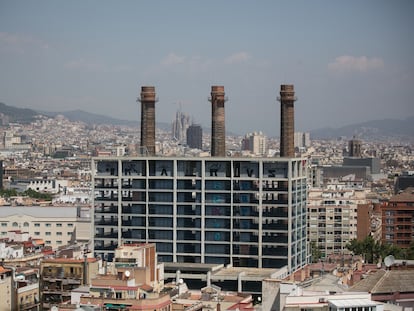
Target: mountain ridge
373, 129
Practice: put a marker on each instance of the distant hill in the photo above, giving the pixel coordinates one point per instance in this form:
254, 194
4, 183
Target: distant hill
18, 115
24, 115
90, 118
376, 129
370, 130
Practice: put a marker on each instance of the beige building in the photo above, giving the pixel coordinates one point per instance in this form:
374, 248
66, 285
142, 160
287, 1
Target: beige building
60, 276
57, 226
332, 215
27, 289
6, 300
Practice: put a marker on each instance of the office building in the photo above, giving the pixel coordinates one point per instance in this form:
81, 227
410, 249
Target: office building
195, 136
234, 211
240, 211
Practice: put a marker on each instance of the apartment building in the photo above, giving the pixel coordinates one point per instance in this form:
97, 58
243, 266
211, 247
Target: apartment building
6, 289
60, 276
398, 219
332, 215
240, 211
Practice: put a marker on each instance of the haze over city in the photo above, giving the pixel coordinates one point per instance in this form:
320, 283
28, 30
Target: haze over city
349, 61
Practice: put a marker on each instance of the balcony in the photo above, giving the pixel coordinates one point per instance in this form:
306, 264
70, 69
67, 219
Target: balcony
106, 222
107, 235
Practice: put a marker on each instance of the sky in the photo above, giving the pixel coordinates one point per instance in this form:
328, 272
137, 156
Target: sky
349, 61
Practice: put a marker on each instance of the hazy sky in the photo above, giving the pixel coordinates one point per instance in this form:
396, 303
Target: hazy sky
350, 61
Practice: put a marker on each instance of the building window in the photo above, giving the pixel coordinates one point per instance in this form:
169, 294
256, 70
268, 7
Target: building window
70, 225
15, 224
4, 224
48, 242
58, 225
37, 233
48, 233
25, 224
69, 233
37, 224
48, 225
59, 242
58, 233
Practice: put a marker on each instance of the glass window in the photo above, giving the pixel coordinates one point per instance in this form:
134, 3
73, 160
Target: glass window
58, 225
15, 224
37, 233
58, 233
4, 224
25, 224
70, 225
48, 233
37, 224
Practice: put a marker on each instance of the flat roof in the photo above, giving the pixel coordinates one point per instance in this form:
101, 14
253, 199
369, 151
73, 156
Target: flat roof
246, 273
57, 212
352, 302
188, 267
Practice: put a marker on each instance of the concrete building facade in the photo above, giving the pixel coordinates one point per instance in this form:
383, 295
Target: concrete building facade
332, 216
240, 211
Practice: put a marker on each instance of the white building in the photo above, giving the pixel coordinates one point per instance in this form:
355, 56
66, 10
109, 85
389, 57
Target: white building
332, 215
56, 225
255, 143
302, 140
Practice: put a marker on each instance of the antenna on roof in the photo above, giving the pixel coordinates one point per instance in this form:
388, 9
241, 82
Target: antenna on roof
389, 261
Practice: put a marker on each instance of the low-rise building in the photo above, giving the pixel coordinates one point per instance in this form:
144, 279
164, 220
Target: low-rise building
61, 275
57, 225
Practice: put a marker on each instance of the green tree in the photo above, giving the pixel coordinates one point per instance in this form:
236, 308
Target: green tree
315, 252
7, 193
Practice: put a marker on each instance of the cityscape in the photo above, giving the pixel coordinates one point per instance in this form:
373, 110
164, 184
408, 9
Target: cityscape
116, 217
206, 156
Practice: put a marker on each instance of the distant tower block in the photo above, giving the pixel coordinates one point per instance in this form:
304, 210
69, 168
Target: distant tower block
287, 120
354, 146
148, 100
218, 131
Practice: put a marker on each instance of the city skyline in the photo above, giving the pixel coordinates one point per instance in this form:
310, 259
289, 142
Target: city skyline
349, 62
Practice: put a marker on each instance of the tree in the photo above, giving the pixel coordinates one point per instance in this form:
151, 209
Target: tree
315, 252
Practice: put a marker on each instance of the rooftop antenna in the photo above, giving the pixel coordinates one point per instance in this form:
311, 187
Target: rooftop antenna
389, 261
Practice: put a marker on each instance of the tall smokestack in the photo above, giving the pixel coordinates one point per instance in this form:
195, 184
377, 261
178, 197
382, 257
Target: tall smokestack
287, 121
148, 100
218, 131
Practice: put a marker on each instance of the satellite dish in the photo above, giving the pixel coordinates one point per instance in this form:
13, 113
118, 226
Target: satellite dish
389, 260
127, 273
